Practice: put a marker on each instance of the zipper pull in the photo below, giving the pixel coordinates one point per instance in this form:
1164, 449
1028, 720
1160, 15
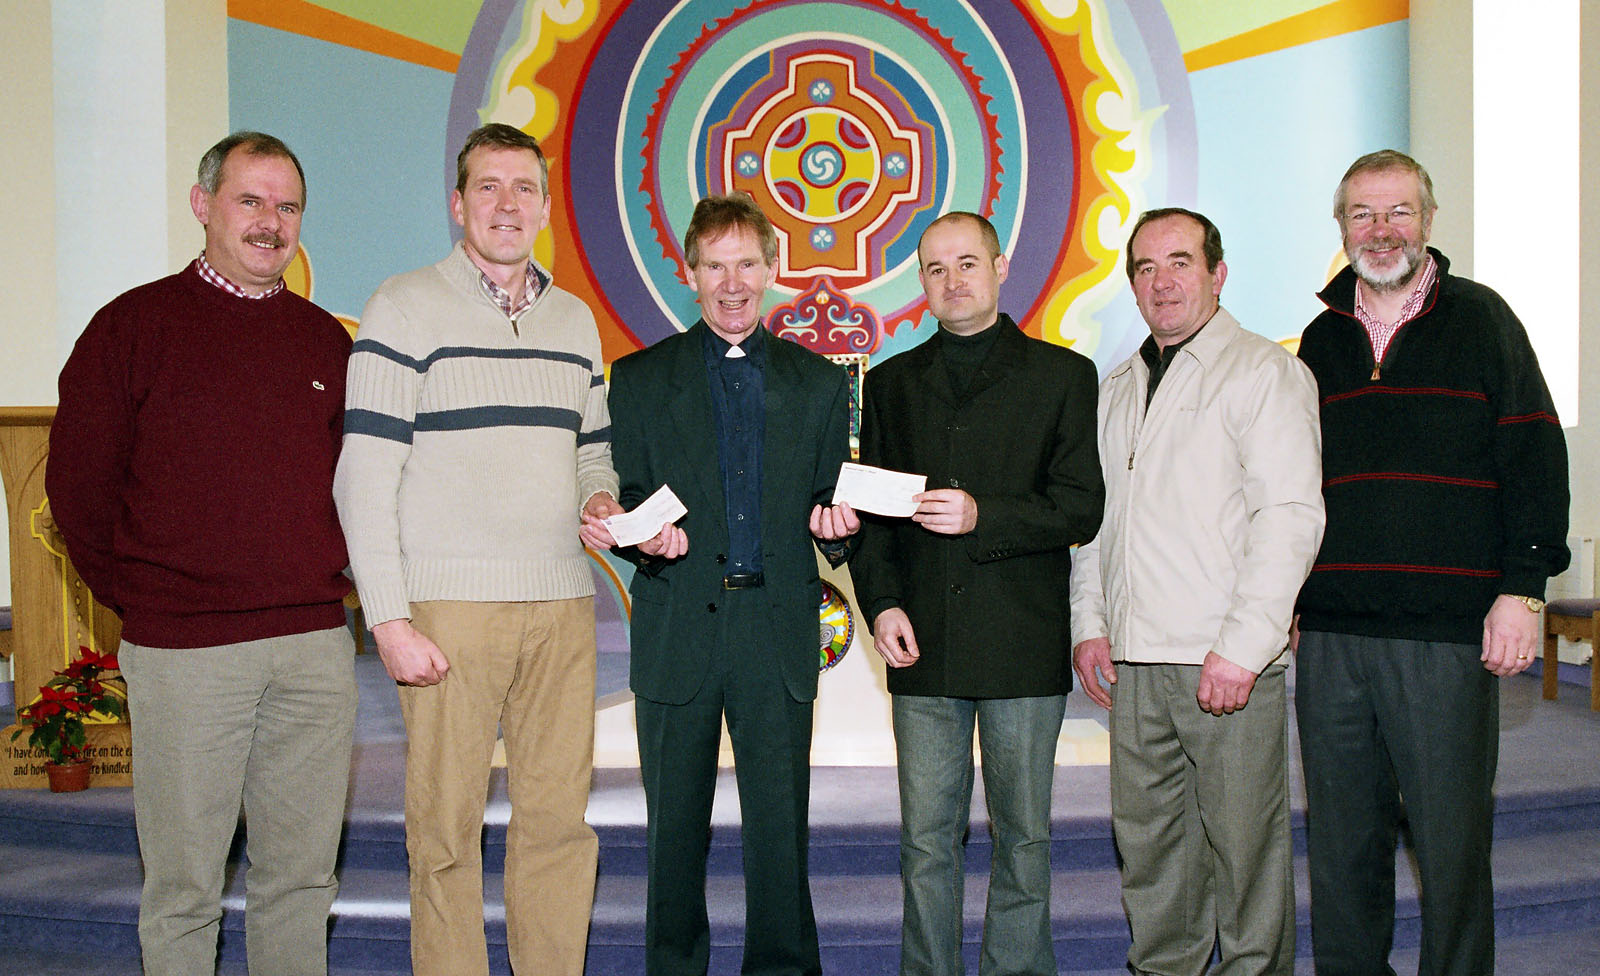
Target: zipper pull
1375, 376
1130, 459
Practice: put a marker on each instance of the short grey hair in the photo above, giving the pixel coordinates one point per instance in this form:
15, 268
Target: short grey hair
1382, 161
254, 144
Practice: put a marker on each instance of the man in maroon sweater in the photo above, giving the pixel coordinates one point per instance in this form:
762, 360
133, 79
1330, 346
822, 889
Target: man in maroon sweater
191, 471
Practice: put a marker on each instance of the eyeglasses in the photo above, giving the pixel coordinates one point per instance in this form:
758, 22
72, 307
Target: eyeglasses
1398, 217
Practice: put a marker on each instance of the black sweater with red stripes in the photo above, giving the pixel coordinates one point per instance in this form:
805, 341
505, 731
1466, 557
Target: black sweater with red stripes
1444, 467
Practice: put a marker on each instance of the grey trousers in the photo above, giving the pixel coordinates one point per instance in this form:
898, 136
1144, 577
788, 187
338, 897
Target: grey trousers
1200, 809
267, 724
1381, 721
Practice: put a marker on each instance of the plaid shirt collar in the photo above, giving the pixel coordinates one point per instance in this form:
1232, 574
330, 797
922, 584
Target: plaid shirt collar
1413, 305
215, 277
533, 283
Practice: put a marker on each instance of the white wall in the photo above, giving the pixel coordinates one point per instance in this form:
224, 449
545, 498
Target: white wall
108, 106
28, 246
1443, 138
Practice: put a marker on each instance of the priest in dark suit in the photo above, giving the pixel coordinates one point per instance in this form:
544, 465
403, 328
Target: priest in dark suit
749, 432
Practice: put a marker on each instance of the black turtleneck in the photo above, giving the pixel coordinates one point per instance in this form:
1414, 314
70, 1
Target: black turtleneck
964, 354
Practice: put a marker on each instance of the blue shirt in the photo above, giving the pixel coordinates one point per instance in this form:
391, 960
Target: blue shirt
738, 405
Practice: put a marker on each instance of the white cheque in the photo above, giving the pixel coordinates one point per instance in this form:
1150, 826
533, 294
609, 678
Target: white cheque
645, 521
868, 489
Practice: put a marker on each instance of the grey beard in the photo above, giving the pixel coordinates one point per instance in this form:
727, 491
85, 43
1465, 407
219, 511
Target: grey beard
1397, 279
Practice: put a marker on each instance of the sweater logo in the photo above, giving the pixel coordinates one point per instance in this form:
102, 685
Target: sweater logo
317, 385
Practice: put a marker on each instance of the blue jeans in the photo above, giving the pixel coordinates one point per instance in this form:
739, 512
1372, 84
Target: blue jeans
1017, 738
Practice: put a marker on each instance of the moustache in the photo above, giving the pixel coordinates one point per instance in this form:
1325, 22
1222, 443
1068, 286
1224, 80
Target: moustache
272, 239
1383, 244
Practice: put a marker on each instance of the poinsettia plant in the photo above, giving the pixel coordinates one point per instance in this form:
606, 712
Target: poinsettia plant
54, 723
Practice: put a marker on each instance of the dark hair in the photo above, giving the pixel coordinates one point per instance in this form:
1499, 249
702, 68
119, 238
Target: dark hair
717, 215
1385, 159
498, 135
991, 239
1211, 248
209, 175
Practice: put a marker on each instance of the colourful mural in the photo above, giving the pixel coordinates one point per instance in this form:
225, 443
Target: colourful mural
854, 123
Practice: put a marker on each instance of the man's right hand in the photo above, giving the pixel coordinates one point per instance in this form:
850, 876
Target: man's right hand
408, 655
894, 639
1091, 659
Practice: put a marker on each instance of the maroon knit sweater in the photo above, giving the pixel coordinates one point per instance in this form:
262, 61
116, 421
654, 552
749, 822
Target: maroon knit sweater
191, 463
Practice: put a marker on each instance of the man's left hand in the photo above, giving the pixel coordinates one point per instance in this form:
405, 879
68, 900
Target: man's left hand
947, 511
594, 533
1224, 686
1510, 636
834, 522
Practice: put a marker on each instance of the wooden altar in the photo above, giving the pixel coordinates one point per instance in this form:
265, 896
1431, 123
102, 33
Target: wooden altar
52, 611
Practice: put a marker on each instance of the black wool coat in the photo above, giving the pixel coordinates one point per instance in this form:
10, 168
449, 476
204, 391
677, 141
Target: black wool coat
990, 608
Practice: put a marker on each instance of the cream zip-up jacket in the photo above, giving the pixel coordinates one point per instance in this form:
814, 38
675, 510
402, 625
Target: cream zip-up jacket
1213, 504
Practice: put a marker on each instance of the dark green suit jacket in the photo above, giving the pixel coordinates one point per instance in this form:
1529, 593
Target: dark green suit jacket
663, 432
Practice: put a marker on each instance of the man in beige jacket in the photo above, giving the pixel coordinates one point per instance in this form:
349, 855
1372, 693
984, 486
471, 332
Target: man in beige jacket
1209, 442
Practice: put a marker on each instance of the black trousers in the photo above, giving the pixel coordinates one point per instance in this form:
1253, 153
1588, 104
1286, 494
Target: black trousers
678, 744
1389, 730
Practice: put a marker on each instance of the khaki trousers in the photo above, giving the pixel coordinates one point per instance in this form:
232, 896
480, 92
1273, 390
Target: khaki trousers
265, 724
527, 669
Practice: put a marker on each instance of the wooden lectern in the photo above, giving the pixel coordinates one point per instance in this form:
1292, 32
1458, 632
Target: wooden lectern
52, 611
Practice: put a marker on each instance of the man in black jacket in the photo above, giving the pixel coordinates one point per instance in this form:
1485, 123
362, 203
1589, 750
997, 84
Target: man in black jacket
1445, 477
968, 596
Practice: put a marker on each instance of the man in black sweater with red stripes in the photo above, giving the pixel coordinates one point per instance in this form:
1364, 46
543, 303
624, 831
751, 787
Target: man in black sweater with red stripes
1445, 478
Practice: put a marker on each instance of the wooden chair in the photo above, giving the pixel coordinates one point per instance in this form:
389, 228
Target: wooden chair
1575, 620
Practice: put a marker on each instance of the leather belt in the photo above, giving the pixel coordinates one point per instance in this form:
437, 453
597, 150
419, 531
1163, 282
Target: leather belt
743, 581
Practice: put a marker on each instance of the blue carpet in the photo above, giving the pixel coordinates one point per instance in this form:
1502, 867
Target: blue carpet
69, 872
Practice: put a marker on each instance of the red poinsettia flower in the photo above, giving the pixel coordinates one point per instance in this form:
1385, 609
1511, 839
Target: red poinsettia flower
90, 662
40, 710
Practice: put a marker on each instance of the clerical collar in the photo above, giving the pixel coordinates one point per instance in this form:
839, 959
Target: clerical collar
752, 347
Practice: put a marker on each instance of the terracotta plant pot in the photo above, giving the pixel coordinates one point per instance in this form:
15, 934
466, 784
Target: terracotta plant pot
67, 777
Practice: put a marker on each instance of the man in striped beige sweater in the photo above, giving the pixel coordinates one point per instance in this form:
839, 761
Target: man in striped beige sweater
476, 430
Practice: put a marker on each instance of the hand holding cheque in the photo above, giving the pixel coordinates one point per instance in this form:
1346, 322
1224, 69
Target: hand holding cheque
948, 511
649, 526
864, 488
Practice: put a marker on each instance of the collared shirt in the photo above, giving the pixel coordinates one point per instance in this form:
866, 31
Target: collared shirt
216, 277
738, 404
1381, 332
533, 283
1158, 359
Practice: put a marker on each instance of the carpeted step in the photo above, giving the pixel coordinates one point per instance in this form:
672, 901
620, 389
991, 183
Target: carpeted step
1539, 954
101, 820
1545, 882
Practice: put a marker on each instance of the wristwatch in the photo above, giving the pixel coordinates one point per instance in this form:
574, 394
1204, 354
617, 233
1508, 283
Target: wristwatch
1533, 603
